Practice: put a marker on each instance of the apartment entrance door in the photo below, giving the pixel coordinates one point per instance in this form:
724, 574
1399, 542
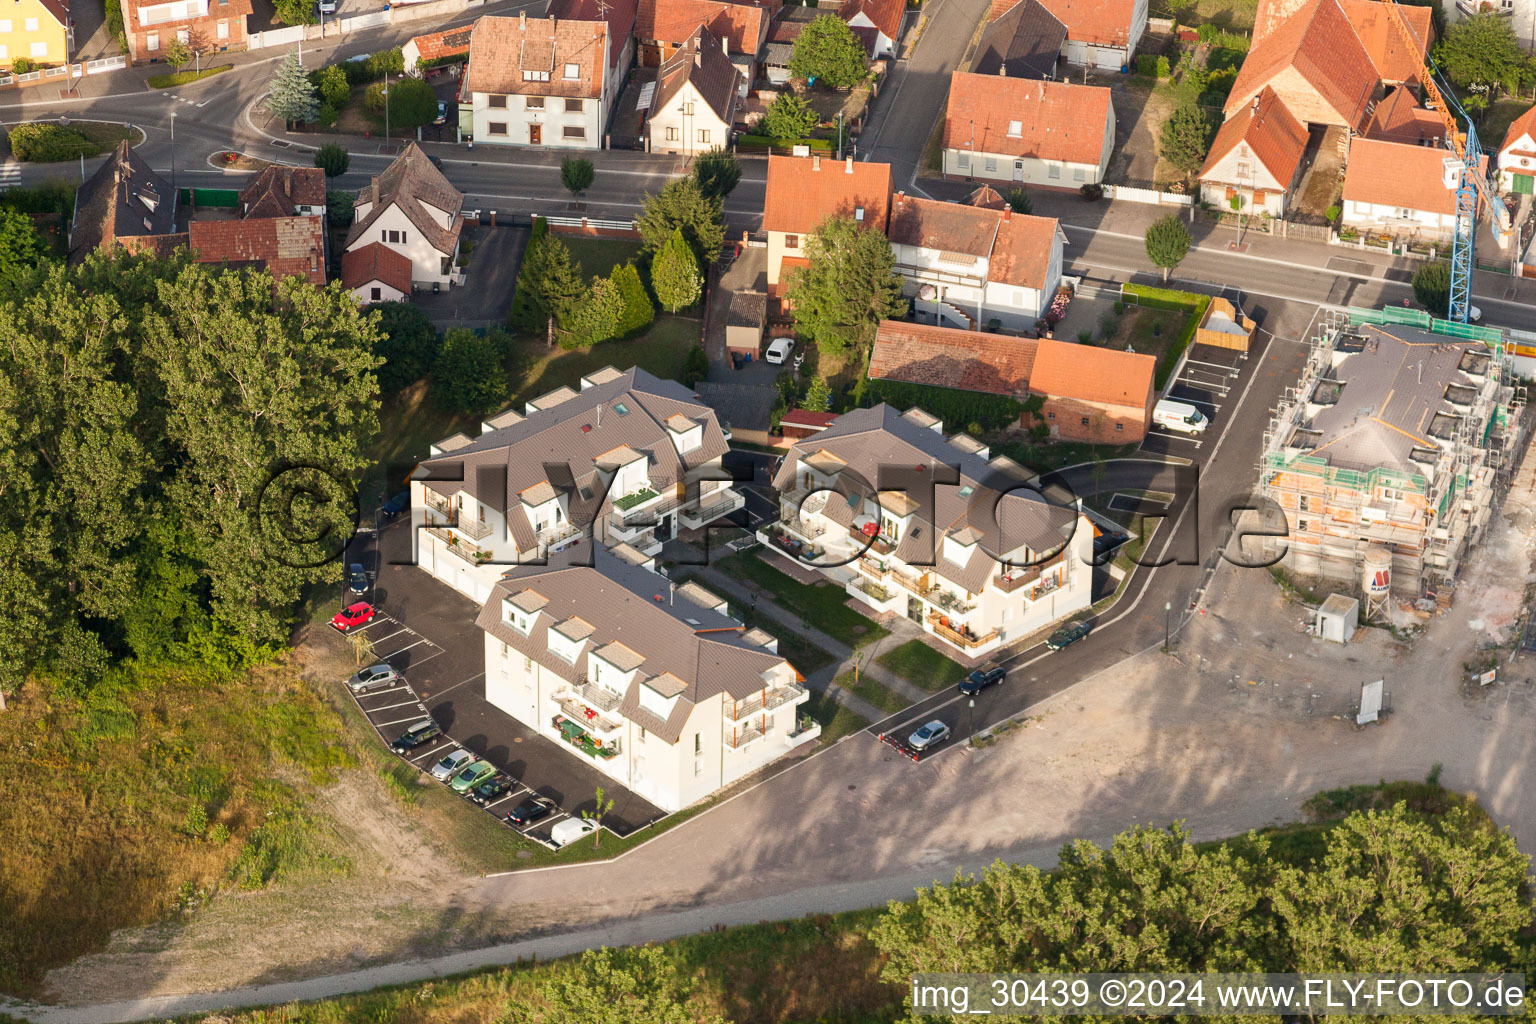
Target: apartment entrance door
535, 134
915, 610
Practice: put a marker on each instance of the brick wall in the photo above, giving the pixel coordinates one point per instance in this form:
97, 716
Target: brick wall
1065, 418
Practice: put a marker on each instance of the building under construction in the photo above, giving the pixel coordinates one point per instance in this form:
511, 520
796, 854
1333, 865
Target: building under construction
1387, 455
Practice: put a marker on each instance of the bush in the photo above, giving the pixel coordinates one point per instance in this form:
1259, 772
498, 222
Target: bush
410, 345
1019, 202
43, 143
339, 209
359, 72
1332, 213
332, 85
767, 141
333, 159
596, 318
695, 366
294, 12
1162, 68
1092, 191
23, 65
577, 174
1432, 287
468, 375
411, 102
788, 117
639, 311
993, 412
328, 116
1146, 65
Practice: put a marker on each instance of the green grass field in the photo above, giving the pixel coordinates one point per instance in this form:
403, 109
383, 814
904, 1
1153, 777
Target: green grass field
598, 256
923, 666
660, 351
822, 605
875, 693
836, 720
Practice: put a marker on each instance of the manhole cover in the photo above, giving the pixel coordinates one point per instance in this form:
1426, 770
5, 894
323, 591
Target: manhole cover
853, 785
281, 143
517, 739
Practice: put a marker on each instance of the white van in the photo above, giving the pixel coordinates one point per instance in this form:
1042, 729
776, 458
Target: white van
570, 830
1180, 416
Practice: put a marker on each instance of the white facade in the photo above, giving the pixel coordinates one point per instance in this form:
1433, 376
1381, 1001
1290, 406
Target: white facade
546, 122
378, 291
687, 124
1518, 157
884, 44
397, 231
964, 297
1240, 173
1003, 169
1108, 58
179, 10
1397, 220
722, 740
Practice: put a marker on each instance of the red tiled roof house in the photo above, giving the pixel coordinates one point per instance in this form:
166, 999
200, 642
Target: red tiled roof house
1255, 158
1517, 157
213, 25
1016, 131
970, 266
1101, 34
436, 47
664, 26
1401, 190
804, 191
694, 103
376, 273
882, 17
412, 209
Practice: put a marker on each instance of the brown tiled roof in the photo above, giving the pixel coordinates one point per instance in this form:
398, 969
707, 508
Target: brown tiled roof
947, 357
885, 15
450, 42
409, 182
1025, 41
504, 48
1104, 375
618, 14
679, 647
1022, 255
1394, 174
948, 227
1395, 60
1100, 22
123, 201
1320, 45
1059, 121
986, 197
702, 62
284, 245
1399, 118
236, 8
277, 191
1277, 139
59, 11
803, 191
1525, 124
743, 26
376, 262
806, 418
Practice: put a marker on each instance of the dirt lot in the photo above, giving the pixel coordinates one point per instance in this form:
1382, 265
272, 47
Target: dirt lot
1232, 731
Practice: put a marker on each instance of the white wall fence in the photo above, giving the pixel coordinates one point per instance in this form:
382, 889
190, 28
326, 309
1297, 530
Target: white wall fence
1130, 194
67, 72
336, 28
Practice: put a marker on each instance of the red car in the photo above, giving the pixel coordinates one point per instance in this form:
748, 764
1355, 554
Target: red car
353, 616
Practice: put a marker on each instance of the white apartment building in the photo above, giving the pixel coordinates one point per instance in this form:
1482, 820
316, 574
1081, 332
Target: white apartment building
538, 82
978, 563
655, 686
629, 459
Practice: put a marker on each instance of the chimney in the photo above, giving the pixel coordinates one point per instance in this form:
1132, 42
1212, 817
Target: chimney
522, 21
1007, 213
815, 161
850, 165
1002, 69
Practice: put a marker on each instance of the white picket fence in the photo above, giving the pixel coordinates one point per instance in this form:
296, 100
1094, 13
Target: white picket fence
588, 222
1130, 194
276, 37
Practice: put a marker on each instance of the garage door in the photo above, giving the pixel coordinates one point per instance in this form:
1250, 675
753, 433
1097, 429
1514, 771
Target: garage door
1524, 184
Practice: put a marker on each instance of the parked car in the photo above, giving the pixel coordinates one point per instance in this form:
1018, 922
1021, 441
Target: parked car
1067, 635
779, 350
535, 808
451, 764
415, 735
471, 776
394, 506
492, 788
570, 830
442, 112
980, 679
932, 734
357, 578
359, 58
353, 616
374, 677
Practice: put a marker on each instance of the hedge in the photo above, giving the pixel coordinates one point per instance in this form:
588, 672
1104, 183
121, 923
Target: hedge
1169, 298
958, 409
767, 142
49, 143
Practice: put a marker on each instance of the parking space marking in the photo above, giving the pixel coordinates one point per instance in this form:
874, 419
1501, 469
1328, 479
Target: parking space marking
1196, 401
458, 684
502, 800
391, 707
379, 619
1220, 366
545, 821
398, 721
380, 693
396, 633
407, 647
431, 753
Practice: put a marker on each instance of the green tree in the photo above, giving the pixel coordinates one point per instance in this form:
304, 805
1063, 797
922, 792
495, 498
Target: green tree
611, 986
695, 366
818, 396
1186, 137
340, 207
828, 52
600, 807
468, 375
177, 53
1482, 51
577, 174
333, 159
548, 283
681, 204
788, 117
1019, 202
848, 286
331, 81
639, 311
1432, 286
21, 249
411, 101
596, 317
408, 342
292, 96
1167, 242
675, 274
717, 173
295, 12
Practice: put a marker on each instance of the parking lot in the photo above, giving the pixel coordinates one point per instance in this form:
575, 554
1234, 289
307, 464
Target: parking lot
426, 631
1208, 377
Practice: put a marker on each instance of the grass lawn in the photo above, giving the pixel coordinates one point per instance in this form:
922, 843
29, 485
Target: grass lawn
1042, 458
104, 133
1233, 15
661, 351
923, 666
175, 78
1149, 331
598, 256
836, 720
872, 691
1498, 117
822, 605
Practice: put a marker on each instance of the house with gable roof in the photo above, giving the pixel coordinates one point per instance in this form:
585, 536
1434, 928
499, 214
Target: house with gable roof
1256, 158
1517, 155
1101, 34
695, 100
628, 459
652, 684
1402, 190
539, 82
412, 209
664, 26
805, 191
881, 18
1024, 132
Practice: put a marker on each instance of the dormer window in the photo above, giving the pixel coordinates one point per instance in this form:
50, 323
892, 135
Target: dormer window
516, 618
1015, 129
535, 76
572, 72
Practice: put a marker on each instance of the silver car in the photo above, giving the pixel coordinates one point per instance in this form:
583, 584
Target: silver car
374, 677
930, 734
449, 766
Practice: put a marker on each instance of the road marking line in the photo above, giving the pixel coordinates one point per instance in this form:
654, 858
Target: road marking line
390, 707
396, 633
398, 721
380, 693
434, 751
500, 800
407, 647
458, 684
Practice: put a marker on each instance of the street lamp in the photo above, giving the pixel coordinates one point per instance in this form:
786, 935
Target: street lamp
973, 719
173, 151
1167, 612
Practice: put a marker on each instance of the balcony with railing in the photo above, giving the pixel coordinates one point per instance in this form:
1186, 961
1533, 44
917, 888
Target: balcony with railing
958, 633
458, 546
712, 506
738, 736
874, 591
874, 567
577, 736
774, 697
588, 718
556, 537
599, 697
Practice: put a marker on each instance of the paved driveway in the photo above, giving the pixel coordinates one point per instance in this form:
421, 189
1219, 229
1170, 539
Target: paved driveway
491, 276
